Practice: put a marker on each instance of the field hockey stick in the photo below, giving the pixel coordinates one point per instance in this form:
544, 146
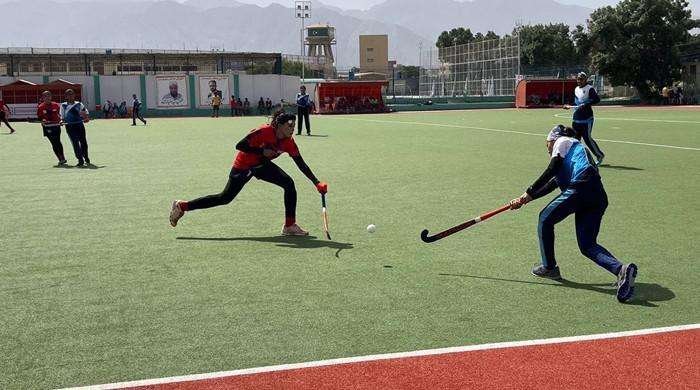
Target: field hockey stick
324, 215
439, 236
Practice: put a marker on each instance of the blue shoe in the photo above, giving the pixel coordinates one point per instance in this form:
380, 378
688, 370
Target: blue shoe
543, 272
625, 282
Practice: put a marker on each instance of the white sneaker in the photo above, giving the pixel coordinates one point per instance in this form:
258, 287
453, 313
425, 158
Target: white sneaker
294, 230
176, 213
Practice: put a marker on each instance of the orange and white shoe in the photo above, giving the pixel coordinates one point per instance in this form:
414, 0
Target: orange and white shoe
176, 212
294, 230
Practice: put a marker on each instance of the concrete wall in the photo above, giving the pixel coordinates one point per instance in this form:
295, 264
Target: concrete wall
276, 87
99, 89
119, 88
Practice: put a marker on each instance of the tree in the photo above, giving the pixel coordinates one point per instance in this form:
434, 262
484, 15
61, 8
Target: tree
635, 42
582, 44
291, 68
456, 36
546, 45
410, 71
491, 35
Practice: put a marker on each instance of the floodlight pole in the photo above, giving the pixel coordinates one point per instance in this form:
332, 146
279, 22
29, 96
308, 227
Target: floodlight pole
302, 10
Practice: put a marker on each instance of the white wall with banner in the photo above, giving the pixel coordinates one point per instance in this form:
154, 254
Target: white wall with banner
208, 85
172, 92
276, 87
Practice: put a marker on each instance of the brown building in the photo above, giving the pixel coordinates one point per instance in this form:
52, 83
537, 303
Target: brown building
374, 54
65, 61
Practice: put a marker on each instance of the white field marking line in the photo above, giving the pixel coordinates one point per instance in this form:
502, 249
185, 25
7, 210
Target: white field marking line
517, 132
632, 119
388, 356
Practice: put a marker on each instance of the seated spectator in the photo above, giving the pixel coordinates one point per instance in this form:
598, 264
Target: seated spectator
123, 111
105, 109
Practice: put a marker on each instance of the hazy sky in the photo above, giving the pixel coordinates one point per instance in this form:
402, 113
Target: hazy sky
364, 4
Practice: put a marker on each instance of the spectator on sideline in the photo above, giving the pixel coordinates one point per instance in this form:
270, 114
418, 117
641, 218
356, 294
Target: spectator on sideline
261, 106
215, 104
268, 106
232, 103
246, 107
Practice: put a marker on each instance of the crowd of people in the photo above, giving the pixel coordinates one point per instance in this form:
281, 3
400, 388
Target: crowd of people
675, 95
112, 110
353, 104
243, 107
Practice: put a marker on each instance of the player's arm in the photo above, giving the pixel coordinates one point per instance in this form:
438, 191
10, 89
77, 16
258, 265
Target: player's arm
245, 145
304, 168
544, 184
555, 163
593, 97
84, 113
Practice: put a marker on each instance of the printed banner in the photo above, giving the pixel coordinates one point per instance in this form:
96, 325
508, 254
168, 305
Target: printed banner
172, 92
210, 85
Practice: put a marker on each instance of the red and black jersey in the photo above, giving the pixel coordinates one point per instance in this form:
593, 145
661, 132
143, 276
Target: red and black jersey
264, 138
49, 113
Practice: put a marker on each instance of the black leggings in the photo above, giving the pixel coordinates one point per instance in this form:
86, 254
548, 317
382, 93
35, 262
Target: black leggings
136, 114
303, 114
54, 136
268, 172
76, 133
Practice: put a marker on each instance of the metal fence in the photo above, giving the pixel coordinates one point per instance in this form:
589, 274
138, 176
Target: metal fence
485, 68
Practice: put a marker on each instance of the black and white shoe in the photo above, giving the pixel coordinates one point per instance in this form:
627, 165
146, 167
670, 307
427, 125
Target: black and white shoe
544, 272
625, 282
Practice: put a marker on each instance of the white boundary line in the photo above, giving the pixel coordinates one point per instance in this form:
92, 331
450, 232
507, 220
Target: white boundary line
632, 119
399, 355
517, 132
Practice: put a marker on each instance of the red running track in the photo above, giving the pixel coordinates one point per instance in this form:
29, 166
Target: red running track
657, 361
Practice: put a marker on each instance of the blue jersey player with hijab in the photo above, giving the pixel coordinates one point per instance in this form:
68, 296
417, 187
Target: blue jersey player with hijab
585, 96
582, 194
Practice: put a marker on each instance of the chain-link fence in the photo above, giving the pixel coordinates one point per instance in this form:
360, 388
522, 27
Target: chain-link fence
484, 68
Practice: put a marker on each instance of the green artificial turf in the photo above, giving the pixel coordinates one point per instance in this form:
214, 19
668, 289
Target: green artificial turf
96, 287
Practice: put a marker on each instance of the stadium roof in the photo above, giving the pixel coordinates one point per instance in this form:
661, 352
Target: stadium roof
106, 51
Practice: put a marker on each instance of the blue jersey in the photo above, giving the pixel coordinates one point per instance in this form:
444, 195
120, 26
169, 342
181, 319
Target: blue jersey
584, 98
303, 101
70, 112
577, 167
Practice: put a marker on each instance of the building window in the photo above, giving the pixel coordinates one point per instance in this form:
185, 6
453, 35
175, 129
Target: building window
370, 60
370, 49
693, 70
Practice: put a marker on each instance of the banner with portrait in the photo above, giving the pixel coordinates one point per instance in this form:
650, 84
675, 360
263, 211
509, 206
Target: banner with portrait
172, 92
210, 85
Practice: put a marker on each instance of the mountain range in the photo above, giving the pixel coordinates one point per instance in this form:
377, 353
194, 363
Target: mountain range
236, 26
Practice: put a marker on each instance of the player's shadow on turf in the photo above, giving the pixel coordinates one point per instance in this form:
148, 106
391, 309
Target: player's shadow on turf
317, 135
620, 167
644, 293
299, 242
